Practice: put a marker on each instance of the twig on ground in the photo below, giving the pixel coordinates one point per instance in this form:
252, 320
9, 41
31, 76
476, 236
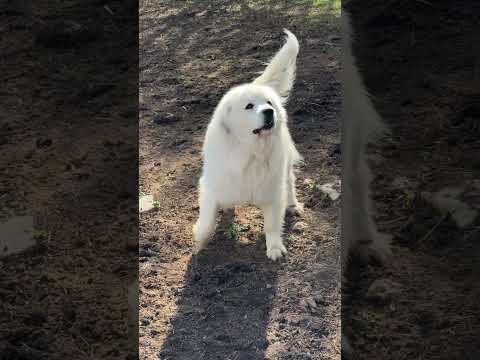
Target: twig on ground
425, 2
427, 235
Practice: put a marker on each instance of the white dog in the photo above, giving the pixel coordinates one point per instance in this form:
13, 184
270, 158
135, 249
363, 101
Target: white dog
249, 155
361, 124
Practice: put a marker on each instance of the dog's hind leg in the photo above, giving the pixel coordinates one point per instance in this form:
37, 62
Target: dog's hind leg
294, 207
273, 215
205, 224
359, 231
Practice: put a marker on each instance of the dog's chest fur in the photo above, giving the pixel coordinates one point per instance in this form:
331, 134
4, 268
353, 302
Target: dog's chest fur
254, 181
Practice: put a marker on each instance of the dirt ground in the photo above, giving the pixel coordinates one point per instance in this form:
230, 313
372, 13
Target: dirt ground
68, 159
231, 302
421, 62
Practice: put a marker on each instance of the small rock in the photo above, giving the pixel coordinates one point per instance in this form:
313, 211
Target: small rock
163, 119
330, 189
299, 227
447, 201
309, 182
145, 322
145, 203
202, 13
17, 234
313, 41
382, 291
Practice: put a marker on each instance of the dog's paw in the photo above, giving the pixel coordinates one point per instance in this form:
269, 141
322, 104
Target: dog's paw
377, 250
296, 210
197, 247
276, 250
200, 239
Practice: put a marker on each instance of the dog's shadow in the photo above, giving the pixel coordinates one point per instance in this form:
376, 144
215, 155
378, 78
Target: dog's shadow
225, 305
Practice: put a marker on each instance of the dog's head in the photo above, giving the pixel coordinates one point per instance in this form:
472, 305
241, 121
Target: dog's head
255, 110
252, 110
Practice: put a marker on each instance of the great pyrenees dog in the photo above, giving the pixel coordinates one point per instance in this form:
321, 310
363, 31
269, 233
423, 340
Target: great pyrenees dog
361, 124
249, 155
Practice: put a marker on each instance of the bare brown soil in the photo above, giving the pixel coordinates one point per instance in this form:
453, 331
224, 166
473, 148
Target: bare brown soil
231, 302
68, 159
421, 61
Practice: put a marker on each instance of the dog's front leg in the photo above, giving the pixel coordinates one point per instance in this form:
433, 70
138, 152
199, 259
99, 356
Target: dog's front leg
370, 242
273, 215
205, 224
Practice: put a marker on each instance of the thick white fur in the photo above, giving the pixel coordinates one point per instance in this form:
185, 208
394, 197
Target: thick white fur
361, 125
242, 168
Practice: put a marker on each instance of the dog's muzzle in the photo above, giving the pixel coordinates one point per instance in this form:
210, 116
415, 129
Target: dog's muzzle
268, 121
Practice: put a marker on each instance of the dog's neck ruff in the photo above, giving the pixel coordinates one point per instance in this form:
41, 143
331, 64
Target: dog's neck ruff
262, 148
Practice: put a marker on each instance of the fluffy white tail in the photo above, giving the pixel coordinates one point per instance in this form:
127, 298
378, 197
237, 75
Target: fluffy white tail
280, 71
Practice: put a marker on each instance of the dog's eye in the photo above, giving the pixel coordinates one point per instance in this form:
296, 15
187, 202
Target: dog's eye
249, 106
269, 103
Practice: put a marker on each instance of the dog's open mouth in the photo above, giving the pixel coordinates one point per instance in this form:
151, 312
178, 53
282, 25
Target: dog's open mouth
263, 129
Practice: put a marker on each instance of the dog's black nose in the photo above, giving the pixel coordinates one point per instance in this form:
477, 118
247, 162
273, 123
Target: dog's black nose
268, 118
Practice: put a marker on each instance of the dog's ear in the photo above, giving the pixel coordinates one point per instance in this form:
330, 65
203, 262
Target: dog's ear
280, 71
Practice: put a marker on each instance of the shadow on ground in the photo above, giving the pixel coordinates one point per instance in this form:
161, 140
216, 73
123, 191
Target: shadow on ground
228, 291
